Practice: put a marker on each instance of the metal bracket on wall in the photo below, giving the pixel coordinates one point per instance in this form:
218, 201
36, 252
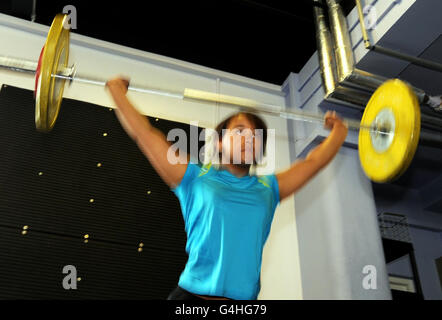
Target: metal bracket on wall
432, 65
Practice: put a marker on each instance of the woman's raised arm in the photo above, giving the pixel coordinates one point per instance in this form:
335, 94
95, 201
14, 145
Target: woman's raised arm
301, 171
151, 141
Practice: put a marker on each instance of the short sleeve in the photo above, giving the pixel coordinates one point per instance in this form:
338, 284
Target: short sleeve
275, 188
191, 173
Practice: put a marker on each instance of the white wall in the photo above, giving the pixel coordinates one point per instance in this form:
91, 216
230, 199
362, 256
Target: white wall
98, 58
338, 233
337, 227
409, 26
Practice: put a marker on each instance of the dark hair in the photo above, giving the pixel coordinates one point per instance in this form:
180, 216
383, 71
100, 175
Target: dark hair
257, 121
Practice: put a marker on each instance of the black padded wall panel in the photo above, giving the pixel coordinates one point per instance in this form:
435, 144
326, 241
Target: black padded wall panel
47, 181
31, 268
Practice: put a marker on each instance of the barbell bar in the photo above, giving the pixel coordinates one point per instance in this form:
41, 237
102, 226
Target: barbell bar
69, 74
389, 130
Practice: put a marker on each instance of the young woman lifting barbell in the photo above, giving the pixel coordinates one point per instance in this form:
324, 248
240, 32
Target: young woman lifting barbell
227, 212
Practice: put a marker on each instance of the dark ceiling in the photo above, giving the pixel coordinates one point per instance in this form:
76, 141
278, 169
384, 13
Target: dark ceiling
259, 39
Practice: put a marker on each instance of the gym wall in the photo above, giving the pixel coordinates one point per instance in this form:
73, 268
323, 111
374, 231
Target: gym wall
85, 177
104, 60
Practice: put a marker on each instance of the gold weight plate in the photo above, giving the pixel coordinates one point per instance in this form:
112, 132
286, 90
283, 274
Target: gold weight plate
54, 60
400, 100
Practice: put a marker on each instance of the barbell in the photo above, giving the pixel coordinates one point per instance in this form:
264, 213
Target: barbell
389, 130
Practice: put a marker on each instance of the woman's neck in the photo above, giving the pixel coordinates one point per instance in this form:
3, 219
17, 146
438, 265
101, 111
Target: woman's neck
238, 170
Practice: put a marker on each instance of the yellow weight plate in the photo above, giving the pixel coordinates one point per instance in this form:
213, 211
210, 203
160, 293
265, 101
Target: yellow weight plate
393, 107
54, 60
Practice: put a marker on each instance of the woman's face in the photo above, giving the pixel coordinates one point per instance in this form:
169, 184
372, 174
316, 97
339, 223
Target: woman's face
241, 144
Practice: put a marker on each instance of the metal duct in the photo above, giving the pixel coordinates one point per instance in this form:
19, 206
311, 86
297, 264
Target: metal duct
347, 74
341, 80
327, 63
342, 45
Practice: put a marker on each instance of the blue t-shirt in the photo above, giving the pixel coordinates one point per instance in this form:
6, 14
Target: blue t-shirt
227, 221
